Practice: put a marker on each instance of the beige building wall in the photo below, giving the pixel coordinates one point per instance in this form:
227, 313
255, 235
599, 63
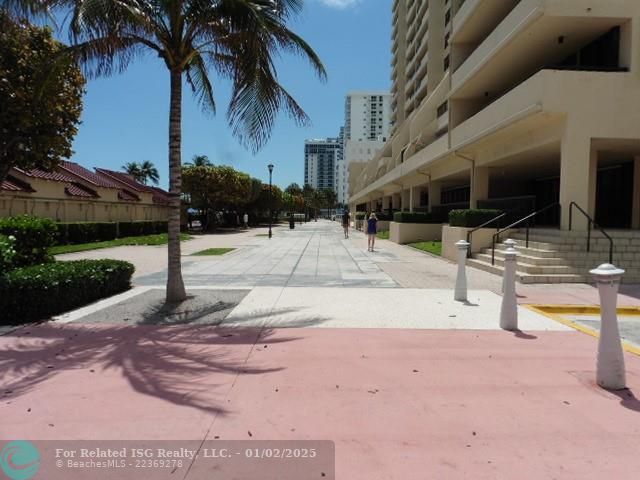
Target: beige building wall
50, 201
520, 98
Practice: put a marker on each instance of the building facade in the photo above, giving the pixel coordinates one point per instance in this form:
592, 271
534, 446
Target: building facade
72, 193
321, 156
512, 104
367, 123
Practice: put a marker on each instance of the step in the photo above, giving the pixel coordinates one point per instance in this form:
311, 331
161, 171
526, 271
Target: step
532, 268
615, 234
527, 278
571, 256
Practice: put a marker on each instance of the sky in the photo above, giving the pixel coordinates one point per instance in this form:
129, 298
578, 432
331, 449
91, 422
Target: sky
125, 117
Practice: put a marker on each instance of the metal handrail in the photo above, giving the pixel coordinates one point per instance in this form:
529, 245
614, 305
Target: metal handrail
590, 222
470, 232
524, 219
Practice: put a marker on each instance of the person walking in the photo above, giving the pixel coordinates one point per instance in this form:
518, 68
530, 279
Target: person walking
346, 221
372, 230
245, 219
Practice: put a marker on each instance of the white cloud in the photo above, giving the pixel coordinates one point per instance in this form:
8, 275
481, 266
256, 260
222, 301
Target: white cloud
340, 3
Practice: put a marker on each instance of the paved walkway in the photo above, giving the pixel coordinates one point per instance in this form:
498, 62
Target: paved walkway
408, 383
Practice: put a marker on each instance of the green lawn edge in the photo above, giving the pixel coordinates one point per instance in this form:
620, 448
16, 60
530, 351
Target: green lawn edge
158, 239
213, 251
434, 248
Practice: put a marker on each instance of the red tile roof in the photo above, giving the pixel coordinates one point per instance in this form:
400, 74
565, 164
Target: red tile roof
39, 173
160, 196
123, 178
13, 184
79, 190
128, 196
87, 175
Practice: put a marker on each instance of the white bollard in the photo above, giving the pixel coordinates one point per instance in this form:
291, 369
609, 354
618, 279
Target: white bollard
509, 243
460, 293
610, 370
509, 307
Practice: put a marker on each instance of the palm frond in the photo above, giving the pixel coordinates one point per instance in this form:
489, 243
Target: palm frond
198, 79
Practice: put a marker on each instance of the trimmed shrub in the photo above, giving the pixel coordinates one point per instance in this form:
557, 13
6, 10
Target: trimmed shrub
472, 218
86, 232
384, 216
33, 237
73, 233
408, 217
360, 215
7, 252
38, 292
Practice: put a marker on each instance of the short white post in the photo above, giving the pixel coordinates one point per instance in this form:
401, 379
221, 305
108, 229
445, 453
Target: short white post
460, 293
610, 370
509, 243
509, 307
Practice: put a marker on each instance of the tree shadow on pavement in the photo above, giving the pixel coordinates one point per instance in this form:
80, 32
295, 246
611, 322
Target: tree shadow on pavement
187, 365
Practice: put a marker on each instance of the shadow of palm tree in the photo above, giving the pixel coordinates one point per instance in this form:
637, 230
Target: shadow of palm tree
187, 365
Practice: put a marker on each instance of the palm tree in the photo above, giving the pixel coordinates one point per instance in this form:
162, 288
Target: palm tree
199, 161
149, 172
330, 198
239, 39
133, 169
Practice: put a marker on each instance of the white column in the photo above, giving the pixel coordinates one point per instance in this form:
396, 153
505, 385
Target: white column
479, 185
610, 365
509, 306
578, 176
411, 199
635, 218
435, 189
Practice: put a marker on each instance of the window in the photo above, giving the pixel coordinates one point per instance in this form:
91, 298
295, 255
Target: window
442, 109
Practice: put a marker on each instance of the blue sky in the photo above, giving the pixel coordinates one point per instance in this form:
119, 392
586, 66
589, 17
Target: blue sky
125, 117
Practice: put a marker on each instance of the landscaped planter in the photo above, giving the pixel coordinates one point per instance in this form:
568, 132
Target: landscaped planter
414, 232
479, 240
383, 225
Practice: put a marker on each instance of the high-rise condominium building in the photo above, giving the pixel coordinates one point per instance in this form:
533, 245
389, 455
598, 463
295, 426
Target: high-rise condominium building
320, 159
515, 105
367, 122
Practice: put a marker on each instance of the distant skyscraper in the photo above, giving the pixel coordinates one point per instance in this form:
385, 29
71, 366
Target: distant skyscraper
367, 122
320, 158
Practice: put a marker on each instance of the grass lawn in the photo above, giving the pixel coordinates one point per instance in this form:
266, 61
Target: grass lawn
430, 247
214, 251
384, 235
159, 239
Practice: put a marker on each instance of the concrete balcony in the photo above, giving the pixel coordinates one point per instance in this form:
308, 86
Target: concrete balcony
536, 33
477, 18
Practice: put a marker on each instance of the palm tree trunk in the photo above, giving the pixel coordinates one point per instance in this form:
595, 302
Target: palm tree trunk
175, 284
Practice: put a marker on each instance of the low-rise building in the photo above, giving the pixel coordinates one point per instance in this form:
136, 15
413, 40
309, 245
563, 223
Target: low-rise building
72, 193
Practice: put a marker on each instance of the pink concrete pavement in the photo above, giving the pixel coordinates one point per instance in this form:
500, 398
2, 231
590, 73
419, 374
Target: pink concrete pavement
400, 404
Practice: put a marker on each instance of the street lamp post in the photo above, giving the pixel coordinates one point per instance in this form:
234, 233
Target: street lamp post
270, 167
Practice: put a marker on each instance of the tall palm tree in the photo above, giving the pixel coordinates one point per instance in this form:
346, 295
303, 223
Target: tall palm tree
200, 161
149, 172
133, 169
240, 39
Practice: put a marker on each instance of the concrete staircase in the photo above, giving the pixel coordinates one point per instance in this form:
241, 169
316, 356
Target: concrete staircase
555, 256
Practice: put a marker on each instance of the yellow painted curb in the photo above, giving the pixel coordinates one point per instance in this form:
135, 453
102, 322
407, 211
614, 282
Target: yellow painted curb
555, 312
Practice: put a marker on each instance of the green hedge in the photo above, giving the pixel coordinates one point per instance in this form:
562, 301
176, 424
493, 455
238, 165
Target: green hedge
472, 218
360, 215
384, 216
38, 292
86, 232
33, 238
408, 217
73, 233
